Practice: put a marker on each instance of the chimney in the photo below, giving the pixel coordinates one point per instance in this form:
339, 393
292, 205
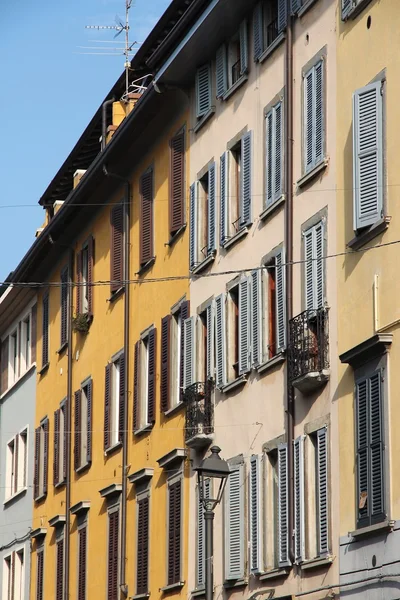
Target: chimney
120, 110
57, 205
79, 173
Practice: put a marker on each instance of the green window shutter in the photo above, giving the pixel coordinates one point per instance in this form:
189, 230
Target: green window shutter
347, 6
244, 47
234, 524
212, 211
203, 90
201, 537
189, 332
299, 524
280, 299
220, 340
210, 341
255, 512
367, 155
322, 491
224, 212
256, 317
258, 31
246, 174
244, 326
282, 17
193, 226
221, 71
283, 516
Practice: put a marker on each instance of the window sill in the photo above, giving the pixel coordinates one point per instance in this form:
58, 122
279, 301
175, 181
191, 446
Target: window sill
239, 381
268, 365
272, 208
140, 596
62, 348
198, 593
43, 370
113, 448
366, 236
10, 499
238, 236
274, 574
146, 266
144, 429
171, 242
203, 120
357, 9
235, 583
204, 263
60, 484
17, 381
174, 409
82, 468
306, 7
172, 586
272, 47
316, 563
313, 173
371, 530
115, 295
40, 498
242, 79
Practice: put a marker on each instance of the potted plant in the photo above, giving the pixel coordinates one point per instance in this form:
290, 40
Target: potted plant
81, 322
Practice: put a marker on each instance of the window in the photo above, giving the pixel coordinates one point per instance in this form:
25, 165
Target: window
174, 535
232, 61
235, 188
45, 330
203, 91
83, 426
18, 349
25, 344
238, 330
201, 536
177, 183
146, 247
117, 249
314, 117
207, 343
13, 576
41, 459
234, 523
142, 556
269, 20
112, 554
64, 306
84, 267
273, 154
114, 402
172, 356
16, 461
368, 155
59, 595
202, 218
351, 8
144, 398
82, 561
314, 271
255, 515
39, 573
14, 358
60, 443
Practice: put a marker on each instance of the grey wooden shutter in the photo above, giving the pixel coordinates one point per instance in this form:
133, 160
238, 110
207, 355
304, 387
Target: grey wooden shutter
224, 185
258, 31
314, 267
255, 511
278, 162
322, 491
282, 17
280, 299
362, 453
273, 154
309, 120
244, 47
319, 265
203, 90
193, 226
319, 112
201, 535
347, 5
220, 340
185, 311
309, 269
234, 524
299, 525
189, 332
314, 119
246, 182
212, 211
283, 516
295, 6
376, 448
210, 341
256, 317
221, 71
244, 326
368, 155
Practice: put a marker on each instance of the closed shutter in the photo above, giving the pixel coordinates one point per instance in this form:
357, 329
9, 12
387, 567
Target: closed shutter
314, 120
308, 120
256, 317
220, 340
319, 264
246, 183
165, 366
57, 441
212, 211
64, 306
37, 463
59, 569
368, 155
63, 440
377, 448
273, 154
185, 310
82, 554
224, 185
177, 185
283, 516
39, 575
78, 429
309, 269
319, 113
142, 546
244, 48
255, 512
107, 407
89, 420
280, 298
79, 282
203, 90
189, 332
282, 17
117, 251
322, 491
295, 6
210, 341
151, 386
174, 533
234, 524
314, 267
121, 414
136, 397
258, 31
146, 217
45, 330
299, 524
33, 333
90, 252
112, 559
244, 327
221, 70
4, 364
45, 427
193, 260
347, 5
201, 537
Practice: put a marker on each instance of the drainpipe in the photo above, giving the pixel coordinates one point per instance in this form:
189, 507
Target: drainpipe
289, 408
104, 121
68, 427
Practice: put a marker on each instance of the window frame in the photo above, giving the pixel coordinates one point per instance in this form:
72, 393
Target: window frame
319, 219
235, 464
175, 477
177, 204
144, 380
60, 445
82, 423
42, 433
15, 487
142, 496
115, 508
82, 526
60, 541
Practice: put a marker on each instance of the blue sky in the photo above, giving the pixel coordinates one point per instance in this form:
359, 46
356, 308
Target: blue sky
49, 93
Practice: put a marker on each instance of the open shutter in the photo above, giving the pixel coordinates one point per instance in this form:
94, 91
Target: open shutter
255, 511
4, 364
319, 112
309, 269
269, 157
177, 179
165, 345
185, 310
224, 182
278, 162
151, 387
299, 524
63, 411
39, 573
258, 31
89, 420
90, 252
45, 454
189, 332
256, 317
142, 546
174, 533
107, 408
82, 553
33, 333
136, 408
201, 537
234, 524
60, 569
45, 330
56, 456
112, 559
319, 265
220, 340
282, 17
245, 184
193, 260
146, 217
203, 90
309, 120
37, 462
367, 155
322, 491
363, 499
212, 211
347, 5
295, 6
79, 282
117, 253
121, 420
377, 504
221, 71
283, 516
78, 427
280, 298
244, 326
64, 306
210, 341
244, 47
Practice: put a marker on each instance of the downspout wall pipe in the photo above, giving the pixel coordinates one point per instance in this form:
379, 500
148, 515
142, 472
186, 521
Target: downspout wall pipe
68, 427
104, 121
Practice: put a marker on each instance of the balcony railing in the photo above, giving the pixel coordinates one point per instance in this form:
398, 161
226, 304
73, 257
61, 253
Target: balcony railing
308, 344
199, 413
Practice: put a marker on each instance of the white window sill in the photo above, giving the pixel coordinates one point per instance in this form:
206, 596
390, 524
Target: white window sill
204, 263
274, 574
272, 208
145, 429
10, 499
199, 593
313, 173
238, 236
242, 79
173, 586
235, 583
376, 529
239, 381
268, 365
357, 9
272, 47
316, 563
140, 596
174, 409
203, 120
18, 380
112, 448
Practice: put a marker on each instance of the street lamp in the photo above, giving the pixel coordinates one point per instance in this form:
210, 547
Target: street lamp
215, 468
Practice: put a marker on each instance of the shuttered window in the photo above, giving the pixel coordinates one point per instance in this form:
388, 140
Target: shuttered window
60, 445
142, 560
146, 246
189, 332
224, 197
114, 402
234, 524
220, 341
203, 90
60, 569
45, 330
255, 515
117, 250
203, 218
165, 362
256, 317
210, 341
314, 116
347, 6
112, 555
322, 492
232, 61
370, 464
82, 562
246, 179
201, 537
84, 277
314, 270
39, 573
64, 305
193, 243
174, 532
269, 20
83, 426
41, 459
283, 515
177, 183
144, 381
368, 155
274, 154
4, 365
244, 327
299, 518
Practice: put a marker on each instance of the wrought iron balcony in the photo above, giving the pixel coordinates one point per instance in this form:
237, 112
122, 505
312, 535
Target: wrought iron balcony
199, 427
309, 349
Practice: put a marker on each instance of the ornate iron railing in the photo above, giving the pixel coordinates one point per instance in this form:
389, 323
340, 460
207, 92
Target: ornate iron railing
199, 409
308, 343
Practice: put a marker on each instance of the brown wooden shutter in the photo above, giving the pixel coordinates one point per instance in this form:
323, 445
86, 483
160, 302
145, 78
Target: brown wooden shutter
117, 250
64, 410
136, 366
165, 365
177, 183
56, 458
113, 542
82, 553
121, 423
59, 569
107, 394
142, 560
64, 306
151, 400
90, 275
39, 575
185, 312
33, 333
89, 396
79, 282
36, 467
78, 428
45, 330
4, 364
146, 217
174, 533
45, 454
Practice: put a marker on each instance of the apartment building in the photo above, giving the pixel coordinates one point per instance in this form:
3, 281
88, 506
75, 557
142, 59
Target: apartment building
367, 206
17, 415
